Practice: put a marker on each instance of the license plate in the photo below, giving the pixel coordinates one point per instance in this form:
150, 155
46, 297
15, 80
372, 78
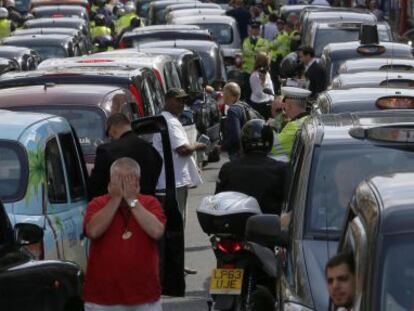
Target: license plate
226, 281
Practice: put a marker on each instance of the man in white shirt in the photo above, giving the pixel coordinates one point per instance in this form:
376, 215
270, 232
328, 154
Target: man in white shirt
269, 30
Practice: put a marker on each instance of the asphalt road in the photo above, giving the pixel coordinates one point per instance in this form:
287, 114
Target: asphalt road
199, 255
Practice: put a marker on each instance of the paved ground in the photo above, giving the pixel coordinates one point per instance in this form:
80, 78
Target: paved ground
199, 255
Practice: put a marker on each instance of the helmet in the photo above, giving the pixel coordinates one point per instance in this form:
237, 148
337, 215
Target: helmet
103, 42
257, 136
129, 7
4, 13
100, 20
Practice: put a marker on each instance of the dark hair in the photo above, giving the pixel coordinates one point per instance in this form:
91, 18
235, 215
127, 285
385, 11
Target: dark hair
340, 259
135, 22
307, 50
117, 119
273, 17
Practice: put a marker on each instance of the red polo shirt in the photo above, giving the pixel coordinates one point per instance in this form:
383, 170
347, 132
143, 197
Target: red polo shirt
123, 271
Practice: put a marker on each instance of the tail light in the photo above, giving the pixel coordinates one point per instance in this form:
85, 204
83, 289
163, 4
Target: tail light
88, 8
121, 44
36, 250
229, 246
133, 89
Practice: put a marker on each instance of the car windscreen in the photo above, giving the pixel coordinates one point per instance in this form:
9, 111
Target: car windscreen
88, 122
50, 51
13, 171
22, 5
222, 33
397, 273
336, 172
333, 35
383, 34
209, 64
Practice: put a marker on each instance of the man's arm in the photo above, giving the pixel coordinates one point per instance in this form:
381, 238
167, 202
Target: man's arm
100, 222
148, 221
186, 150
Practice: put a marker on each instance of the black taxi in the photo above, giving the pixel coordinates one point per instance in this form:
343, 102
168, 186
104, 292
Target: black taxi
376, 64
363, 99
379, 235
388, 79
334, 54
323, 178
34, 285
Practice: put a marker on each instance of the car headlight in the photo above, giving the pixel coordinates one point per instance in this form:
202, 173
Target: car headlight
291, 306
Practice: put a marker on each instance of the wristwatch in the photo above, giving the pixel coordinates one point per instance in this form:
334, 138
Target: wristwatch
133, 203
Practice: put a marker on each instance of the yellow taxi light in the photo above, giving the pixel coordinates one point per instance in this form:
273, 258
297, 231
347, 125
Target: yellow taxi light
395, 102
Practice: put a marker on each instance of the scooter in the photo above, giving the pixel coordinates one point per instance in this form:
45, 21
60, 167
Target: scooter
244, 279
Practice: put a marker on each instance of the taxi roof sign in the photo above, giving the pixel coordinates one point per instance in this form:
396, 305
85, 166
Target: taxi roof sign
395, 102
399, 133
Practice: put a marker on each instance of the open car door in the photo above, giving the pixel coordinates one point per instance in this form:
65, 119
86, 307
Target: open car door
172, 244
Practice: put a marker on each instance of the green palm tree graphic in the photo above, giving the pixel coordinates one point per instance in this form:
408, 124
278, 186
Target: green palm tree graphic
37, 173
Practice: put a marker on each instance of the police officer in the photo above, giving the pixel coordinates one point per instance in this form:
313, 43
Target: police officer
295, 103
279, 48
255, 173
5, 24
100, 29
251, 46
125, 20
15, 17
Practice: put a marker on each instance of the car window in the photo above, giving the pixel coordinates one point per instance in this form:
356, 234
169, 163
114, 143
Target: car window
172, 78
222, 33
158, 95
89, 123
208, 60
334, 177
77, 189
56, 188
147, 98
50, 51
333, 35
397, 273
13, 171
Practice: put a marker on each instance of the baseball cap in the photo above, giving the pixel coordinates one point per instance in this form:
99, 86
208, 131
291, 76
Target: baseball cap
176, 93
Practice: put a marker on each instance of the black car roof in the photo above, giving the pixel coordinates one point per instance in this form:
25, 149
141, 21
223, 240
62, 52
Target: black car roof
60, 7
50, 21
52, 39
345, 49
187, 44
334, 128
170, 34
165, 3
46, 31
396, 195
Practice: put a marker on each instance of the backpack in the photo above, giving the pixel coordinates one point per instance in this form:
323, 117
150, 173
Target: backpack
249, 112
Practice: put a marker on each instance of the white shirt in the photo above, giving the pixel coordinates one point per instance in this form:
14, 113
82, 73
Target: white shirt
269, 31
257, 88
185, 168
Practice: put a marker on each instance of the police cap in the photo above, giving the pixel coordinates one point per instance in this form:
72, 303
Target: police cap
295, 93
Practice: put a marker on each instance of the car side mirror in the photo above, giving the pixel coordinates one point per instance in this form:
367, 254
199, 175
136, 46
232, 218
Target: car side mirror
27, 234
264, 230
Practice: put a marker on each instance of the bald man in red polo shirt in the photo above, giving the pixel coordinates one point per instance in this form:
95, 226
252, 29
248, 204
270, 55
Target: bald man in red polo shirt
124, 226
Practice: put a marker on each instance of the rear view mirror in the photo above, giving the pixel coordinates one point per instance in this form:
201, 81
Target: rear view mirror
27, 234
263, 229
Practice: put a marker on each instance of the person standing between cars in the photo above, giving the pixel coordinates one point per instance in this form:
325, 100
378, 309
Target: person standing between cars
279, 48
5, 24
125, 20
314, 73
270, 30
340, 278
123, 225
242, 17
135, 23
251, 46
267, 9
236, 118
373, 7
262, 86
246, 174
100, 29
125, 143
295, 104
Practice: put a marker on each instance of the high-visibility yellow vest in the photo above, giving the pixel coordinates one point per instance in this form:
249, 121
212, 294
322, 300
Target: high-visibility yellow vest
100, 31
280, 46
283, 141
5, 28
249, 52
125, 21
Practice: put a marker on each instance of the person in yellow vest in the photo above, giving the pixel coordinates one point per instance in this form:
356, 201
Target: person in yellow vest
295, 103
124, 20
100, 28
252, 45
267, 9
5, 24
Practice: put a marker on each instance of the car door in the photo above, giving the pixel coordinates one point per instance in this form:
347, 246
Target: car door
66, 195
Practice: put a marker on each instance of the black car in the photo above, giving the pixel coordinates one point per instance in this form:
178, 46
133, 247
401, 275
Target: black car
60, 11
142, 82
323, 178
81, 42
60, 22
210, 54
140, 35
27, 59
335, 54
364, 99
379, 236
48, 46
34, 285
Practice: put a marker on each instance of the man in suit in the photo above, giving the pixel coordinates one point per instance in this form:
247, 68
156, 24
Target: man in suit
125, 143
314, 73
